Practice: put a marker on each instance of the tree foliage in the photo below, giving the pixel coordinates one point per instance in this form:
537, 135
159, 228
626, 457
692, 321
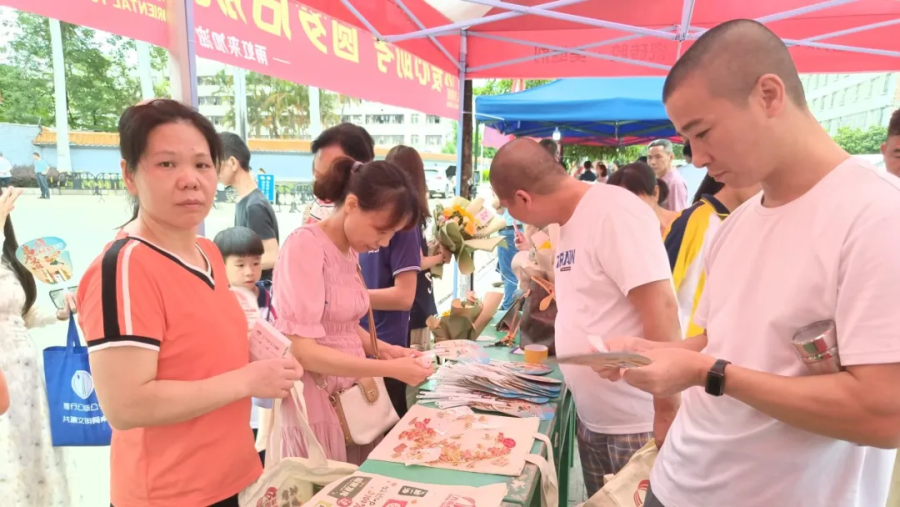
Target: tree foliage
861, 142
100, 83
278, 106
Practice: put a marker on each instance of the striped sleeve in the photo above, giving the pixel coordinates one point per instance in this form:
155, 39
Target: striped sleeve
119, 299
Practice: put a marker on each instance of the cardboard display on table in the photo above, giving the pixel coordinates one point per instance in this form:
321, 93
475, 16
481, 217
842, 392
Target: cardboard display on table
468, 443
363, 490
466, 319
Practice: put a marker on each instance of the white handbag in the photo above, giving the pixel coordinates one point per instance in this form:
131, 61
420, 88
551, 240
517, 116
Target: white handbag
364, 409
628, 488
291, 481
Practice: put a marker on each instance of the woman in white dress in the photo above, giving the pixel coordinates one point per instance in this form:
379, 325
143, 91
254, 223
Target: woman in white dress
32, 471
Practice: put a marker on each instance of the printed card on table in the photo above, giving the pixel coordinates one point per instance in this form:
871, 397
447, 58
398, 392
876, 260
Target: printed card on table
363, 490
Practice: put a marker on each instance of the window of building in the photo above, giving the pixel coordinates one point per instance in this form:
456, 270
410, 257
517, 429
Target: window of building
886, 115
887, 85
414, 139
352, 118
414, 118
384, 119
430, 118
840, 98
874, 118
832, 101
433, 140
387, 140
866, 89
851, 95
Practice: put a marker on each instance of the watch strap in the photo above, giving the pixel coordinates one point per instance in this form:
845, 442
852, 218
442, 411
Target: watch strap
715, 378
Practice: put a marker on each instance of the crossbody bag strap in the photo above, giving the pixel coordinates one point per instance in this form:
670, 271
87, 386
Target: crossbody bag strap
373, 335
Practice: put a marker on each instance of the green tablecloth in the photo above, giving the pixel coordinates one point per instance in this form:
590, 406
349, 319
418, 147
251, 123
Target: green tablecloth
523, 490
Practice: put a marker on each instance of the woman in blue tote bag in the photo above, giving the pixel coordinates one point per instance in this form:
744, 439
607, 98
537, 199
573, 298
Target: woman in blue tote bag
34, 470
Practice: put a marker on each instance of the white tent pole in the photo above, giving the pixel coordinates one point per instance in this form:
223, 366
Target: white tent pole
145, 69
182, 53
786, 14
569, 50
459, 142
433, 40
315, 113
554, 53
839, 47
687, 11
793, 13
362, 19
452, 28
849, 31
575, 19
63, 157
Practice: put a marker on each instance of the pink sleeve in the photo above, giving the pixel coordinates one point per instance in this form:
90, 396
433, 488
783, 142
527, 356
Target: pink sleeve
298, 286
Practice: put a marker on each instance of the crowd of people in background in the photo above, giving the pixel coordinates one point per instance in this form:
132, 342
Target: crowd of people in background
775, 238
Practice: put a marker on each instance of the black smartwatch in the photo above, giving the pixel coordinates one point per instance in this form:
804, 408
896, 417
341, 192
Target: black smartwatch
715, 379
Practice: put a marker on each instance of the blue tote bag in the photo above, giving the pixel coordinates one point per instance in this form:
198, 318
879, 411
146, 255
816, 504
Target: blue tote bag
75, 415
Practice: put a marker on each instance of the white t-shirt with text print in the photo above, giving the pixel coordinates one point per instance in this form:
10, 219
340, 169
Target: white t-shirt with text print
610, 246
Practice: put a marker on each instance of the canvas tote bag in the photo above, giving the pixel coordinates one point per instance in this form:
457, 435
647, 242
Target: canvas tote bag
628, 487
292, 480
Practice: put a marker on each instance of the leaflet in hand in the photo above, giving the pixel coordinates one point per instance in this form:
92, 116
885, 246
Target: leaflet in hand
608, 359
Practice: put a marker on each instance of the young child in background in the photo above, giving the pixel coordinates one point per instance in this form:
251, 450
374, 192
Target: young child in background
243, 250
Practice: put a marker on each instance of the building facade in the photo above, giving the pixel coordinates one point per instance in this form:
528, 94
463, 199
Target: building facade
852, 100
388, 125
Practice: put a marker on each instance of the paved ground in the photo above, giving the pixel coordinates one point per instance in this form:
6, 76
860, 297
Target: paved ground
86, 224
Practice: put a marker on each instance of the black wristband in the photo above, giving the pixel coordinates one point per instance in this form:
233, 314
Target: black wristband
715, 379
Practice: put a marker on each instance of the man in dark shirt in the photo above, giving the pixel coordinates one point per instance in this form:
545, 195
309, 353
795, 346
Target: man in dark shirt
253, 210
588, 174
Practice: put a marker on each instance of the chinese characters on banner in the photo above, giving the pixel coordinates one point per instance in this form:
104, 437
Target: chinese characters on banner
290, 41
139, 19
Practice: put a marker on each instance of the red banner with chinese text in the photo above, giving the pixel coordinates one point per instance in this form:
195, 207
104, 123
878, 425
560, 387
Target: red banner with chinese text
279, 38
291, 41
139, 19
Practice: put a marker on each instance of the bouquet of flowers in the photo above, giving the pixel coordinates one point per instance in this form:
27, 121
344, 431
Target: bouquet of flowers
465, 227
466, 318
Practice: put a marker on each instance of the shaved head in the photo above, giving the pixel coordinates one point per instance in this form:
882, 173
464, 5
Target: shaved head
524, 165
731, 58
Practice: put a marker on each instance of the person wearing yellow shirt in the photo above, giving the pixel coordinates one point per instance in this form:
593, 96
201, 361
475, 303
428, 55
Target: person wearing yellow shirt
687, 238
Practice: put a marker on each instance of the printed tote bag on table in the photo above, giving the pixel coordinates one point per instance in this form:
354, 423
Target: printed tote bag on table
292, 481
75, 415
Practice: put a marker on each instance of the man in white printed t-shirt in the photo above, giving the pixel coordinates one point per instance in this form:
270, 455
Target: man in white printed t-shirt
612, 279
756, 427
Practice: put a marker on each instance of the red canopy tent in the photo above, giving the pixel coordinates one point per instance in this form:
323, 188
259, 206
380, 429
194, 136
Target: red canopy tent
600, 38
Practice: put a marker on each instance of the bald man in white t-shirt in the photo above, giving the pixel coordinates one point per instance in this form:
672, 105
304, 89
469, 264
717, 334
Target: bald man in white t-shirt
612, 279
756, 427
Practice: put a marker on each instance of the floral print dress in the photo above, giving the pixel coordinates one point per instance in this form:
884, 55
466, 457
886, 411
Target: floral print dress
32, 471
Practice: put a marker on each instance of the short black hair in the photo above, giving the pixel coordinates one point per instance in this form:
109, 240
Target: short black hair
732, 57
588, 165
239, 242
638, 178
550, 146
687, 150
353, 140
36, 154
234, 146
709, 186
894, 125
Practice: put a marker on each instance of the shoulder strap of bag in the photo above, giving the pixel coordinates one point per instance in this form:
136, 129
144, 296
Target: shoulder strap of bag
373, 335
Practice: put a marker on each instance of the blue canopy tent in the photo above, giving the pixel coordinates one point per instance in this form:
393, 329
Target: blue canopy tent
594, 111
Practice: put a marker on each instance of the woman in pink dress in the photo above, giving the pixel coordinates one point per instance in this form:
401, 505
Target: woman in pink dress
319, 297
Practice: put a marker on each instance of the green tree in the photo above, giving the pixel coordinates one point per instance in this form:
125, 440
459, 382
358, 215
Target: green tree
861, 142
278, 106
577, 153
99, 81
